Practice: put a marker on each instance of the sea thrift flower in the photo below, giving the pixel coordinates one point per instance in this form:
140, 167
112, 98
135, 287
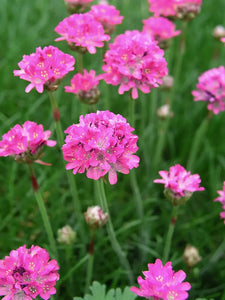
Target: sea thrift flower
66, 235
28, 273
45, 68
77, 6
161, 282
161, 29
221, 199
25, 143
107, 15
211, 89
179, 184
95, 217
85, 86
219, 32
191, 256
82, 32
101, 143
134, 61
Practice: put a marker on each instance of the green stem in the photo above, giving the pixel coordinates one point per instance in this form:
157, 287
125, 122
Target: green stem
170, 234
43, 210
90, 260
112, 236
79, 62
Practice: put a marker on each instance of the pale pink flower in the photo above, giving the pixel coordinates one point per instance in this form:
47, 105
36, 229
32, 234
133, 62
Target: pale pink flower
95, 217
25, 143
161, 282
211, 89
134, 61
28, 273
221, 199
45, 68
223, 40
107, 15
82, 32
101, 143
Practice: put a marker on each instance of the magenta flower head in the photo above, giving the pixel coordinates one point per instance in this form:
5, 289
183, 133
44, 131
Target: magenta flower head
161, 282
161, 29
25, 143
77, 6
107, 15
45, 68
134, 61
211, 89
221, 199
179, 184
85, 86
28, 273
82, 32
101, 143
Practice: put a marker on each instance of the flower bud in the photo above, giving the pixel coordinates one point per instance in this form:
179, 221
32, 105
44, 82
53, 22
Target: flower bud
167, 82
164, 112
219, 32
95, 217
191, 256
66, 235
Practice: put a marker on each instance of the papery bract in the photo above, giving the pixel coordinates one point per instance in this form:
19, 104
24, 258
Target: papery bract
221, 199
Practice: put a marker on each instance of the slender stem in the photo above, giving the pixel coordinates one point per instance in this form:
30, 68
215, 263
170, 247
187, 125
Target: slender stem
112, 236
170, 234
79, 62
132, 112
43, 210
90, 261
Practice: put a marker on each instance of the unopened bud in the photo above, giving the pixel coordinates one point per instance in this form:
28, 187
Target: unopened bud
164, 112
66, 235
95, 217
191, 256
219, 32
167, 82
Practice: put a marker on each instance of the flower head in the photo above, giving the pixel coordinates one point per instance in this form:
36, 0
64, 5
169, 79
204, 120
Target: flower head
221, 199
95, 217
25, 143
191, 256
211, 89
134, 61
28, 273
162, 282
101, 143
179, 184
82, 32
45, 68
66, 235
77, 6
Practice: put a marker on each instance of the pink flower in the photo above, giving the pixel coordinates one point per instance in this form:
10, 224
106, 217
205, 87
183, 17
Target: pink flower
101, 143
83, 32
45, 68
107, 15
223, 39
134, 61
161, 282
25, 142
27, 273
221, 199
179, 184
211, 88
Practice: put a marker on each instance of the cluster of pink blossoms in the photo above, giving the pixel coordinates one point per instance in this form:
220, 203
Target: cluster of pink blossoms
179, 184
25, 142
107, 15
101, 143
82, 32
161, 282
211, 89
221, 199
134, 61
45, 68
28, 273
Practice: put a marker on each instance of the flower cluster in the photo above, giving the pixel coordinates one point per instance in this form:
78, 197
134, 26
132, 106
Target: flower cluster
101, 143
82, 32
45, 68
179, 184
95, 217
221, 199
134, 61
27, 273
85, 86
161, 282
77, 6
211, 88
25, 142
107, 15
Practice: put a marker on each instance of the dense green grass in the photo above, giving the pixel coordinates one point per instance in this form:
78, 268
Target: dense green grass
26, 25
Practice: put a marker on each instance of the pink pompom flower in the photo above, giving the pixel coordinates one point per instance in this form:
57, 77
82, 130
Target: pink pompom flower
221, 199
28, 273
161, 282
82, 32
85, 86
45, 68
107, 15
134, 61
25, 143
211, 89
179, 184
101, 143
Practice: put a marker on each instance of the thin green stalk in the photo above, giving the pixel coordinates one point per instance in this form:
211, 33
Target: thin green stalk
79, 62
112, 236
90, 260
170, 234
